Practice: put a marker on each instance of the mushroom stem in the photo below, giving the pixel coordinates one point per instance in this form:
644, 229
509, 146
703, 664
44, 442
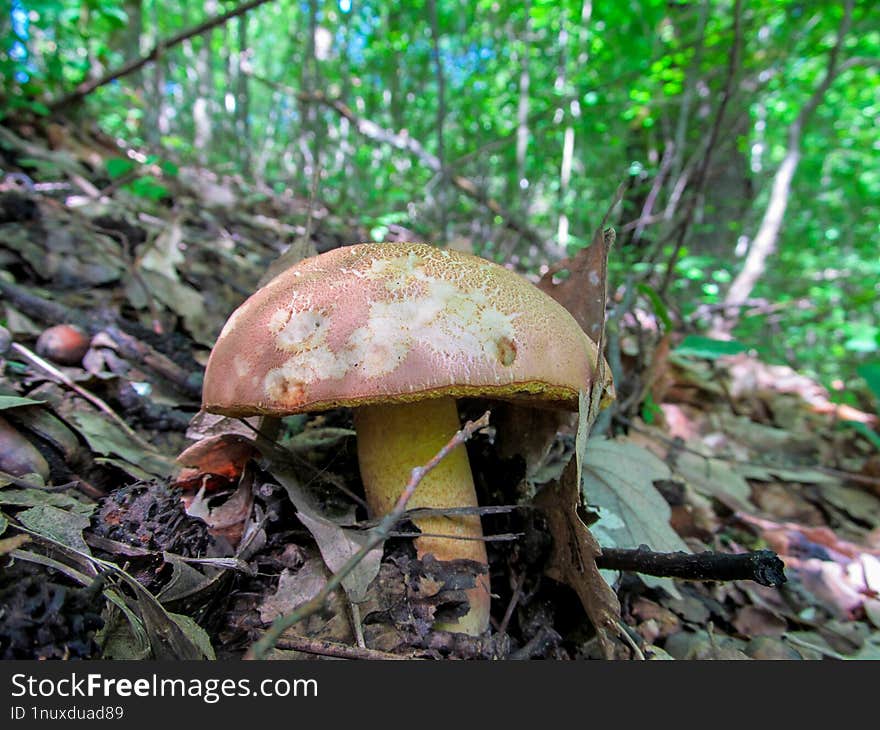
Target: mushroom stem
394, 439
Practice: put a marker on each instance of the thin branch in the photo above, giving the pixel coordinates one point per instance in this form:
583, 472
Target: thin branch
87, 87
514, 599
377, 536
700, 181
60, 377
762, 566
765, 240
337, 650
404, 142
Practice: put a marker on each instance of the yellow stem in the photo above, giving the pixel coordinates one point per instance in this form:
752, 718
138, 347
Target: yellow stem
392, 440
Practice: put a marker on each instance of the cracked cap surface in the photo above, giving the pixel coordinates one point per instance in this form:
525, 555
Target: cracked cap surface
395, 323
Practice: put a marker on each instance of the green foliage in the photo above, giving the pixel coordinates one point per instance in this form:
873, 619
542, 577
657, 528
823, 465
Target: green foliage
634, 87
119, 166
870, 372
143, 184
708, 348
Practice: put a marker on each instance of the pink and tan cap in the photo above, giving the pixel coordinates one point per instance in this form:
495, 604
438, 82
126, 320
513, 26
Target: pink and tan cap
395, 323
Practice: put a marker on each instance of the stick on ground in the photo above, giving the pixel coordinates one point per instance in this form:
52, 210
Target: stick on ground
761, 566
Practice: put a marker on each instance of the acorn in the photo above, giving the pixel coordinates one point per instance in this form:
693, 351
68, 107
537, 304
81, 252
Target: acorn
64, 344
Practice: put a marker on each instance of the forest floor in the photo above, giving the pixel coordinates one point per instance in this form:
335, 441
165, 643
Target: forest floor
116, 546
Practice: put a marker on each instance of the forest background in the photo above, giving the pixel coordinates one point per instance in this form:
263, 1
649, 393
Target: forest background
745, 133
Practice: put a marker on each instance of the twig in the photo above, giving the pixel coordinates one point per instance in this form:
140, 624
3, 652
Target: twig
762, 566
337, 650
56, 374
499, 537
544, 640
638, 654
377, 535
824, 651
87, 87
18, 481
514, 599
494, 509
357, 625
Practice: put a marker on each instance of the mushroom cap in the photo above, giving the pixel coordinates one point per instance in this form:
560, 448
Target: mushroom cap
396, 322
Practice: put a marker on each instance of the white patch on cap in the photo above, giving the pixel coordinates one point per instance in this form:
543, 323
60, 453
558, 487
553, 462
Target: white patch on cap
422, 312
241, 365
230, 324
288, 382
297, 326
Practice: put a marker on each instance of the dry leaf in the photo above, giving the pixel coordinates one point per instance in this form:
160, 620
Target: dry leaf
573, 561
618, 477
224, 456
583, 292
336, 543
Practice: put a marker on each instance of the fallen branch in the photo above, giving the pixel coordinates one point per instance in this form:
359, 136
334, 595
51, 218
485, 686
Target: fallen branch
189, 383
87, 87
761, 566
337, 650
378, 535
60, 377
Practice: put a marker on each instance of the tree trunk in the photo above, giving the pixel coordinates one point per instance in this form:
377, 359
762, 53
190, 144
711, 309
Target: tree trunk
764, 244
204, 108
443, 180
522, 114
242, 106
573, 114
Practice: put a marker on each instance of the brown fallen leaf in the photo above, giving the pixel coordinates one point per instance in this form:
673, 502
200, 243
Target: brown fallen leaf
214, 462
573, 560
583, 292
227, 519
757, 621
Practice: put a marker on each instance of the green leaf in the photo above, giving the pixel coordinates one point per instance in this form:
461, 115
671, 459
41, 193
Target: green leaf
57, 524
118, 166
862, 429
148, 187
870, 373
14, 401
657, 303
116, 16
169, 168
105, 437
708, 348
650, 409
38, 497
195, 633
318, 438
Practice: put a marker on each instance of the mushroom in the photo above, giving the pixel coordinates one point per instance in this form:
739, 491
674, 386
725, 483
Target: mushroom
398, 332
